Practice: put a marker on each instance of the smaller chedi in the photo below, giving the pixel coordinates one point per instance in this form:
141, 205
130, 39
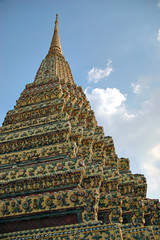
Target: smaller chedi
60, 175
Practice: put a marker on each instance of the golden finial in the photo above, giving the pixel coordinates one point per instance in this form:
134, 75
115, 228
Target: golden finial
55, 44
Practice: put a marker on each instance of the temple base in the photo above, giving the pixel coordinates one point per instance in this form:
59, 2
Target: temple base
93, 230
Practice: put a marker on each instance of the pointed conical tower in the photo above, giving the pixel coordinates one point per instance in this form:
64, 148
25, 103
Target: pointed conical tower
60, 176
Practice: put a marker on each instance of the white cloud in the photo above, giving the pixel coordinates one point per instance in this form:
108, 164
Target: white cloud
106, 100
136, 88
129, 116
95, 74
155, 151
136, 132
158, 36
145, 83
158, 4
153, 176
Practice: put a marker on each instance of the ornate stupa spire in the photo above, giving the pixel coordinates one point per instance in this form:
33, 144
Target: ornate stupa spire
55, 46
54, 65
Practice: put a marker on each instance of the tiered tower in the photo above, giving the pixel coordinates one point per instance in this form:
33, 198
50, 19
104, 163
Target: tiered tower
60, 176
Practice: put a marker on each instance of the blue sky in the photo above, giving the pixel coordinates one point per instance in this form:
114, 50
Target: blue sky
113, 48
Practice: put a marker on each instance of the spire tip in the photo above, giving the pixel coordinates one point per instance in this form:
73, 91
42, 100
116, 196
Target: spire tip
55, 46
56, 17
